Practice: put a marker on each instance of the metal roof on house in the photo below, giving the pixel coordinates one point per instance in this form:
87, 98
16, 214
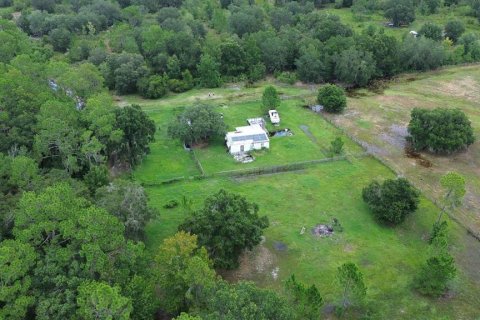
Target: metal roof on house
253, 133
254, 137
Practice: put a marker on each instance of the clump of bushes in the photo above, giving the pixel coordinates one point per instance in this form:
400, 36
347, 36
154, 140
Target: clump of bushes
440, 130
332, 98
392, 200
287, 77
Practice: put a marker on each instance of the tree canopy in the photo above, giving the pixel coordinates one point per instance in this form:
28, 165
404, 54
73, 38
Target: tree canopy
440, 130
226, 226
392, 200
196, 124
332, 98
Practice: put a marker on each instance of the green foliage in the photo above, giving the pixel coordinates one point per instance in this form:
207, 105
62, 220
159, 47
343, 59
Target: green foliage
311, 66
305, 300
454, 185
401, 12
432, 31
60, 39
185, 316
336, 146
141, 290
73, 242
226, 226
242, 300
429, 6
138, 131
270, 98
122, 71
421, 54
209, 72
183, 271
16, 261
287, 77
440, 130
454, 29
350, 278
435, 274
391, 201
96, 177
332, 98
98, 300
439, 269
129, 203
153, 87
355, 68
196, 124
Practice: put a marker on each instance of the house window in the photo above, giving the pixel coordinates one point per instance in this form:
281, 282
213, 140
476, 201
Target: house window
242, 148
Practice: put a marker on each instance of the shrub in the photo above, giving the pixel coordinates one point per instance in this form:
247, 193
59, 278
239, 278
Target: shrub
440, 130
287, 77
153, 87
391, 201
332, 98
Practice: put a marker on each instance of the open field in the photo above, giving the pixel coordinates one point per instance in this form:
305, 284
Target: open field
388, 257
380, 121
444, 14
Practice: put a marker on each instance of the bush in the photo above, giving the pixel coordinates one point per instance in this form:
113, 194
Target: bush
287, 77
336, 146
153, 87
270, 98
440, 130
332, 98
391, 201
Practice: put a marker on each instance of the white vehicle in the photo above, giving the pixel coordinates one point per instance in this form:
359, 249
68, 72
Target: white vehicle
274, 116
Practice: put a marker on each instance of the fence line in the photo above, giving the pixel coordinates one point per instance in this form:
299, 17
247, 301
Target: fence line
255, 171
197, 162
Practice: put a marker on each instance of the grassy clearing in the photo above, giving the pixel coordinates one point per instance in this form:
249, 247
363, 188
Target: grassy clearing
377, 19
380, 121
389, 257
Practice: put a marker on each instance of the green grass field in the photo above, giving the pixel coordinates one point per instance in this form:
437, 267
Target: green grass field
380, 121
388, 257
443, 15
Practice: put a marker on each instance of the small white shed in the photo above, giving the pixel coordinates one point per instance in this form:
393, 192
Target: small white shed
248, 138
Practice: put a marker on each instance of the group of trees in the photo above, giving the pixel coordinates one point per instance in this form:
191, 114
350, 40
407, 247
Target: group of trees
215, 236
152, 48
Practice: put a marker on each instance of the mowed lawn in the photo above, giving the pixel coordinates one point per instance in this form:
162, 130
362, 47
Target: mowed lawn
381, 120
389, 257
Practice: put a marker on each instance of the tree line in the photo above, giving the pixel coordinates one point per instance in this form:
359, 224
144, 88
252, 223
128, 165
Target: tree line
151, 48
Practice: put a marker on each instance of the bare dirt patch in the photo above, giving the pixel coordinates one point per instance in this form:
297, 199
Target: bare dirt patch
259, 263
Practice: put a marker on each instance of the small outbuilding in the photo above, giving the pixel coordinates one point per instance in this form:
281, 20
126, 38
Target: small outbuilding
248, 138
274, 116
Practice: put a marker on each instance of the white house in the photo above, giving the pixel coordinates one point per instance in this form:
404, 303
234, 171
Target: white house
248, 138
274, 116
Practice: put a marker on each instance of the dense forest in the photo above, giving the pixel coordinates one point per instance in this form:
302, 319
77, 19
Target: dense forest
71, 220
